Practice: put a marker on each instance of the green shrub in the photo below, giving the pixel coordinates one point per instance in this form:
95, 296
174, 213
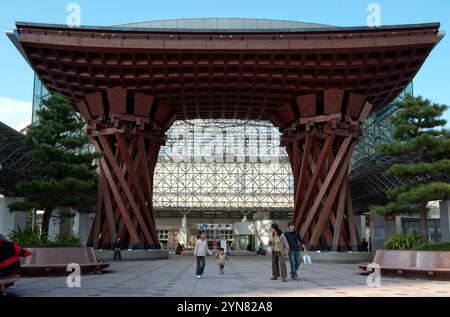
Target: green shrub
434, 247
402, 242
27, 237
64, 240
33, 239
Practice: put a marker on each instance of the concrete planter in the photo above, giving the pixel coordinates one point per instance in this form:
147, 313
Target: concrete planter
431, 264
54, 261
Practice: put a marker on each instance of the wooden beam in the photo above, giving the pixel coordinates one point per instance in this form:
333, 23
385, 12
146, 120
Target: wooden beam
307, 105
131, 117
318, 199
123, 184
117, 99
108, 208
170, 120
351, 222
277, 121
286, 113
147, 184
95, 104
365, 112
313, 181
322, 118
134, 180
162, 113
355, 105
333, 98
142, 104
82, 107
95, 231
127, 220
332, 195
339, 216
301, 181
295, 163
117, 197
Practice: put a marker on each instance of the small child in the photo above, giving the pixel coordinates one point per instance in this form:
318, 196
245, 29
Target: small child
222, 257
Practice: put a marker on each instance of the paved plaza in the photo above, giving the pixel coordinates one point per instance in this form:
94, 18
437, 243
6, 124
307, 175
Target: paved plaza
244, 276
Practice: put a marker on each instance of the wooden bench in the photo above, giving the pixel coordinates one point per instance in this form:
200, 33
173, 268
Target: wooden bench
6, 282
54, 261
431, 264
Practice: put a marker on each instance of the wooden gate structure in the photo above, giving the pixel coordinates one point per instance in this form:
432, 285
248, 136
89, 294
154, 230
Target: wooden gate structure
316, 85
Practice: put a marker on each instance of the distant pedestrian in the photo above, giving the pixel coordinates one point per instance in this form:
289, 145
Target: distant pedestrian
261, 250
179, 249
201, 248
280, 248
222, 257
365, 245
117, 250
295, 242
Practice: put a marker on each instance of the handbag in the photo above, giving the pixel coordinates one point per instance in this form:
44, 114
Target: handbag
307, 259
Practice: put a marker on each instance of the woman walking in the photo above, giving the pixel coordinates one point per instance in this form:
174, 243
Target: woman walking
280, 248
201, 248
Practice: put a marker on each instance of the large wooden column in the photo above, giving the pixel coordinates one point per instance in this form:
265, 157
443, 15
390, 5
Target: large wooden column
128, 128
320, 133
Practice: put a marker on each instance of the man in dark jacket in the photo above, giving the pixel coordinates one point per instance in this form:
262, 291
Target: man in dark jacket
365, 245
117, 249
295, 242
10, 253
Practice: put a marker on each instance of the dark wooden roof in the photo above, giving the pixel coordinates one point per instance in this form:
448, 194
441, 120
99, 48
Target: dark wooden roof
244, 75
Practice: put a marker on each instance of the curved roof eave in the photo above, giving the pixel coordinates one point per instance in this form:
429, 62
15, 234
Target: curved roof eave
20, 24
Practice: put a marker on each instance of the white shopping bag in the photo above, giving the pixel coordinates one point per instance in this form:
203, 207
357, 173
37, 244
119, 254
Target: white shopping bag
307, 259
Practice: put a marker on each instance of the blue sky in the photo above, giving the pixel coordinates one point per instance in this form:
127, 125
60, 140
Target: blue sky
16, 76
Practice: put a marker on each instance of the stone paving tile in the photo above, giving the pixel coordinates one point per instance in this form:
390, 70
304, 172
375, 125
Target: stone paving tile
244, 276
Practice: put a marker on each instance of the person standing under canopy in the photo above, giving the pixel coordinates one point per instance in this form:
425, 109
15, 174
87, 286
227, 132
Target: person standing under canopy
295, 242
280, 247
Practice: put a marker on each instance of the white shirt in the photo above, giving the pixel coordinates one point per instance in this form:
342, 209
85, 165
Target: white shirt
201, 248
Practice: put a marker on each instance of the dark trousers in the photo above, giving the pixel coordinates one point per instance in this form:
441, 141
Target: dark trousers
201, 264
13, 269
278, 265
294, 259
117, 254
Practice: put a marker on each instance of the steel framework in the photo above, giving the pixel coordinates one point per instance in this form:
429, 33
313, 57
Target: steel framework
368, 183
14, 160
223, 165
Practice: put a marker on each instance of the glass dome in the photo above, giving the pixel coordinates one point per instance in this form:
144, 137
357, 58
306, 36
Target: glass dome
225, 24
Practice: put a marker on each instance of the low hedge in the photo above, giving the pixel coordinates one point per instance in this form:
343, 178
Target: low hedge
33, 239
402, 242
434, 247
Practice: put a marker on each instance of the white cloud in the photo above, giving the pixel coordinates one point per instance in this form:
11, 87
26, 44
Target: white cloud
13, 112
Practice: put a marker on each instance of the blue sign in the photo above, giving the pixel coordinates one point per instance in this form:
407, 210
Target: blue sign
203, 226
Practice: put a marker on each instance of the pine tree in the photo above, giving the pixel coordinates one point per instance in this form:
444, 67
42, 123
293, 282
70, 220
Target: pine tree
69, 177
419, 133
